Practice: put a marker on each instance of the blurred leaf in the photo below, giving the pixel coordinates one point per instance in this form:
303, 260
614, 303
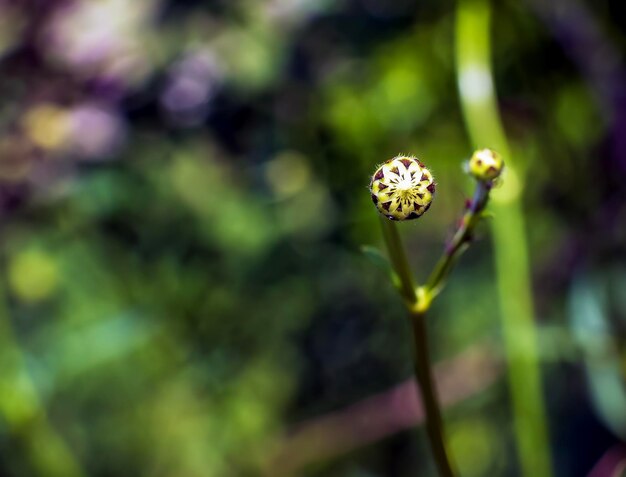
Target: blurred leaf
376, 256
589, 317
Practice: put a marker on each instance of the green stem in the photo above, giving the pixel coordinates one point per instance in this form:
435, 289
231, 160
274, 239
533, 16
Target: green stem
460, 240
423, 373
399, 262
475, 78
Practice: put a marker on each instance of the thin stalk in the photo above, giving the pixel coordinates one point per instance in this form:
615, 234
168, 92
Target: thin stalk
478, 98
423, 373
399, 262
460, 240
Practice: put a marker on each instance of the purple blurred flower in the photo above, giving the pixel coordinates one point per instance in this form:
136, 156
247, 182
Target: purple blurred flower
96, 131
102, 38
192, 84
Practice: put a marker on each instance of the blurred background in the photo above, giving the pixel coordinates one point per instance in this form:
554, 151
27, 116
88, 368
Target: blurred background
183, 200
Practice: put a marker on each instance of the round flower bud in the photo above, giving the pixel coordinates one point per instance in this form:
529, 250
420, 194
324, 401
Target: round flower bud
485, 165
402, 188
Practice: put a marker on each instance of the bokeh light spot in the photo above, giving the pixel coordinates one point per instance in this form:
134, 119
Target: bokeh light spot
287, 174
47, 126
33, 275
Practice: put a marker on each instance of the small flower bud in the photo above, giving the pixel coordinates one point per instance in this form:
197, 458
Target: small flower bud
485, 165
402, 188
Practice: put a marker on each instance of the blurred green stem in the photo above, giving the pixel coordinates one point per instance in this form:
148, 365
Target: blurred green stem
22, 411
475, 80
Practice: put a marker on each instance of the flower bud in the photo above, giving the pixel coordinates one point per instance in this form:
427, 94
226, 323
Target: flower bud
402, 188
485, 165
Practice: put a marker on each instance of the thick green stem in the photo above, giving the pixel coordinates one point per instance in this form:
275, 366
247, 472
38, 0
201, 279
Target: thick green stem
475, 78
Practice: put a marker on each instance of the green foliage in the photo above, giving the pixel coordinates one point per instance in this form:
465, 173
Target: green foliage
185, 300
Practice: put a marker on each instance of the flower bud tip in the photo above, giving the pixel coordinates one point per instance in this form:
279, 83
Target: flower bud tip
485, 165
402, 188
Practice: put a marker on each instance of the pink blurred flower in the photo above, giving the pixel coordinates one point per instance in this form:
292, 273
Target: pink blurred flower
191, 85
96, 131
102, 38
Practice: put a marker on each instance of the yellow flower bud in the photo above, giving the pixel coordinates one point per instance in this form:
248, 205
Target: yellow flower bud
485, 165
402, 188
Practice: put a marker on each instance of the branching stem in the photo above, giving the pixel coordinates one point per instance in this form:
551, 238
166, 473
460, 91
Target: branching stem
418, 301
460, 240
